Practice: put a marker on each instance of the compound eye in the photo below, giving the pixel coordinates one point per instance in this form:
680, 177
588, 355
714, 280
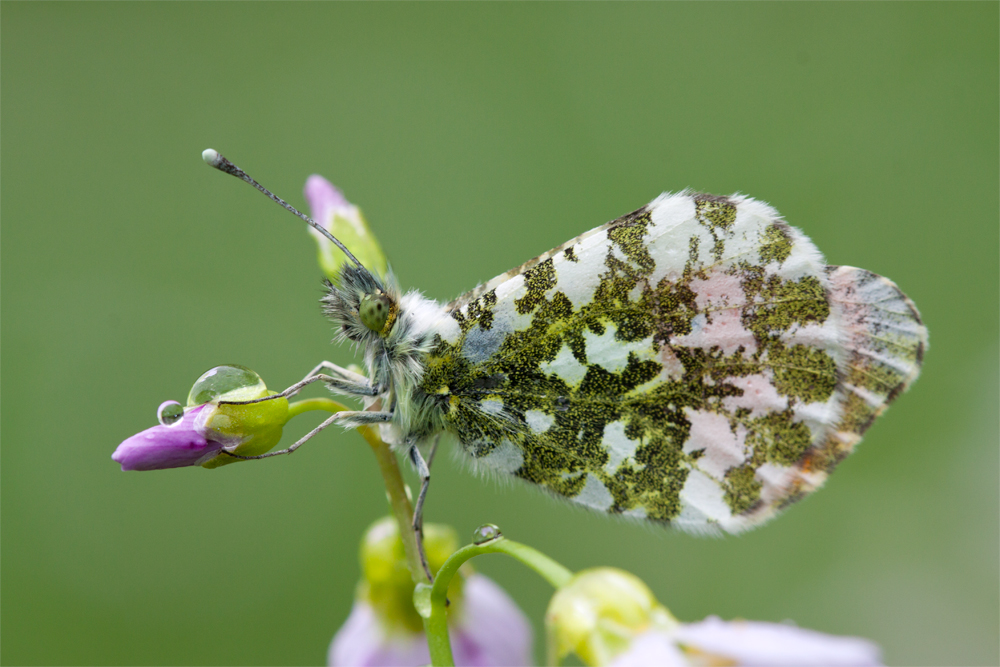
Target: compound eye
374, 311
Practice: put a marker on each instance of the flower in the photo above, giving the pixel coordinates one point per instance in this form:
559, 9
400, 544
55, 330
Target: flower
344, 220
198, 433
383, 628
610, 617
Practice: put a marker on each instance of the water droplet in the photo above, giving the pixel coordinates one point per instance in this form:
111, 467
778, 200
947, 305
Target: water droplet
169, 413
223, 380
422, 600
486, 533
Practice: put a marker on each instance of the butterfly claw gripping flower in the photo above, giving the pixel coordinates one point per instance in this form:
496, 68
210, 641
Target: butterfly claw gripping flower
202, 433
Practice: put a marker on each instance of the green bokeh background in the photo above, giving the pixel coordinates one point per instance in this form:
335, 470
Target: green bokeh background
474, 137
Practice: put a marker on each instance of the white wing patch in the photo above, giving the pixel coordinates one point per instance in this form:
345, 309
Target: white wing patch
565, 367
538, 421
595, 495
620, 447
611, 354
759, 396
721, 449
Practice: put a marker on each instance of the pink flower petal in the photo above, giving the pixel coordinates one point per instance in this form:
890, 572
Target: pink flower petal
363, 641
493, 631
160, 447
775, 644
652, 648
323, 198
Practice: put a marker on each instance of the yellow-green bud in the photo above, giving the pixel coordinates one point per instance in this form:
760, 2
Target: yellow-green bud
255, 428
386, 582
599, 612
344, 220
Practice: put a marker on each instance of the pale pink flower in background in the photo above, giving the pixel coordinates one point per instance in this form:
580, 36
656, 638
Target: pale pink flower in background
747, 643
491, 632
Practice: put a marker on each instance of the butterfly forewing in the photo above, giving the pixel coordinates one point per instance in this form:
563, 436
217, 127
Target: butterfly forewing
694, 363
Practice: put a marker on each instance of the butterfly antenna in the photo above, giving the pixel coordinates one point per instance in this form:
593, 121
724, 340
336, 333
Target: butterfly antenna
215, 159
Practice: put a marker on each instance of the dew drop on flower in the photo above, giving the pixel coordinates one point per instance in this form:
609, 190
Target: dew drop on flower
169, 413
485, 533
222, 380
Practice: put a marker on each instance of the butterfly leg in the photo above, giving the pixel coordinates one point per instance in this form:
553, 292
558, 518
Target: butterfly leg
340, 381
346, 418
424, 470
343, 381
334, 369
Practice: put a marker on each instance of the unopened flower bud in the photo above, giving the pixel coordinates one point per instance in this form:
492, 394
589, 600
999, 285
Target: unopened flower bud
198, 433
344, 220
598, 614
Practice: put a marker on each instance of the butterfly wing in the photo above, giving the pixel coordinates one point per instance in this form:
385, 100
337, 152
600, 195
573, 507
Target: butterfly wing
694, 362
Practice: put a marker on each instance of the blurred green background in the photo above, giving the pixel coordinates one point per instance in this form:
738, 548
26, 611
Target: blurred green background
474, 137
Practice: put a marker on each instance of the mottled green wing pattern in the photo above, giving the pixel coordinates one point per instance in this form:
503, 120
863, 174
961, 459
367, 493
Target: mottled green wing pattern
695, 363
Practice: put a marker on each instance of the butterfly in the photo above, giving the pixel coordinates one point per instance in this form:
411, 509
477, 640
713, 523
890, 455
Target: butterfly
695, 363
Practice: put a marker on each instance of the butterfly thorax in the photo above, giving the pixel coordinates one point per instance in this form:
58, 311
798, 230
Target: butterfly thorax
396, 332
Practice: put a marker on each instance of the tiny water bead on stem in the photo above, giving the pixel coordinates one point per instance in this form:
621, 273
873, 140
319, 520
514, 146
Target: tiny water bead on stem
169, 413
431, 600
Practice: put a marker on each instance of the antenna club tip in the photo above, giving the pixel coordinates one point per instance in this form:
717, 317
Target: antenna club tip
211, 157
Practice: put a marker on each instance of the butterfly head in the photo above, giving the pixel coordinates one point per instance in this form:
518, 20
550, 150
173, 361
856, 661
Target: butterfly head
362, 306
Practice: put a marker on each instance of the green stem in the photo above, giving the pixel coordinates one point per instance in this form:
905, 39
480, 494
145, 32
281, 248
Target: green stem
437, 625
402, 510
395, 487
298, 407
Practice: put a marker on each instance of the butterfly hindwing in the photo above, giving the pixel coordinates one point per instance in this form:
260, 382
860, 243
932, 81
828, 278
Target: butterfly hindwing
694, 363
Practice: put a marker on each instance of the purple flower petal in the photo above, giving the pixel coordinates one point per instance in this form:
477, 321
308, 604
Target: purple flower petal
181, 444
363, 641
323, 199
493, 631
775, 644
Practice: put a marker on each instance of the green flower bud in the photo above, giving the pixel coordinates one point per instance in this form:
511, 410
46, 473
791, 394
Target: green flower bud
386, 582
599, 612
202, 432
344, 220
254, 428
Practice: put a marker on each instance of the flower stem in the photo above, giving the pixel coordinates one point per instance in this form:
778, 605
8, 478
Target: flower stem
298, 407
395, 487
402, 510
437, 625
